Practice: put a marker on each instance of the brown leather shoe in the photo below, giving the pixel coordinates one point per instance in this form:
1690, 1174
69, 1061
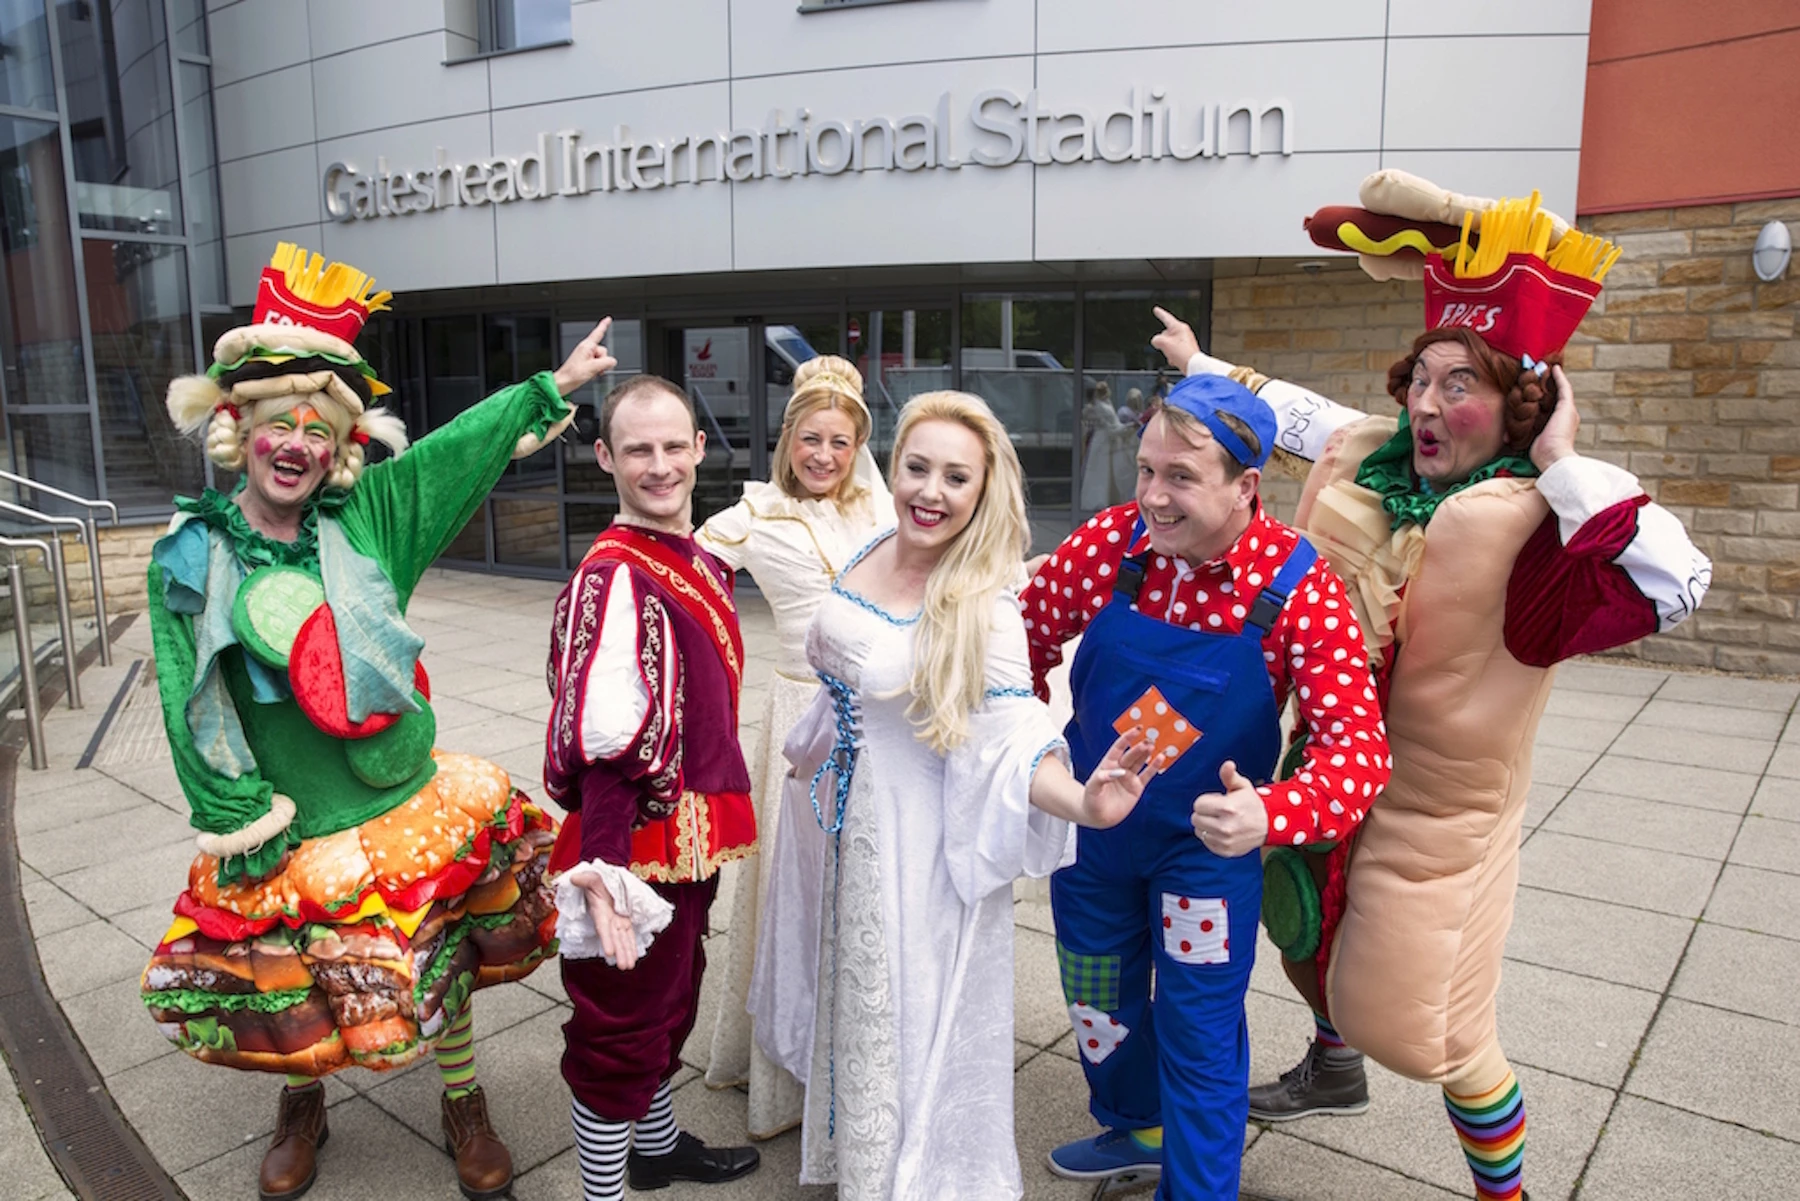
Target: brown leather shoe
291, 1164
484, 1167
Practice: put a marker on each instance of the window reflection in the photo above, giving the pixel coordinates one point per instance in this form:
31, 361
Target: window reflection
1124, 375
1018, 354
121, 115
206, 233
40, 327
143, 338
25, 80
901, 353
581, 474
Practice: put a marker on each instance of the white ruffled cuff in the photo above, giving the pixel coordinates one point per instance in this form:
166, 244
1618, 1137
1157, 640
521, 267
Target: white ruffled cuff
649, 913
249, 838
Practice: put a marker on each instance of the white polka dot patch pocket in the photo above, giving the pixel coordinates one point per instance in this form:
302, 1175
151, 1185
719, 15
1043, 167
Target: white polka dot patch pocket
1195, 929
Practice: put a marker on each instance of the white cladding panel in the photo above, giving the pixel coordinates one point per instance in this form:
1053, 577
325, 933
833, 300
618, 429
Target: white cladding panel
1348, 85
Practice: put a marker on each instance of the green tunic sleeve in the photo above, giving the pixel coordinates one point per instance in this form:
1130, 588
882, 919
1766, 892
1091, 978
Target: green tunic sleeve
405, 511
218, 804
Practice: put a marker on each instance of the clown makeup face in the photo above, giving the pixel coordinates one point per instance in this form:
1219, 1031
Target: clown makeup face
290, 455
824, 446
1455, 415
942, 470
1191, 508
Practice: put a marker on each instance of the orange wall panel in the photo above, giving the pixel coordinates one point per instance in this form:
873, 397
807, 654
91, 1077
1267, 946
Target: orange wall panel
1627, 28
1693, 125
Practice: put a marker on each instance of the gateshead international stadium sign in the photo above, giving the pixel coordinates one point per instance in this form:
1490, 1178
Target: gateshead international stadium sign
1008, 128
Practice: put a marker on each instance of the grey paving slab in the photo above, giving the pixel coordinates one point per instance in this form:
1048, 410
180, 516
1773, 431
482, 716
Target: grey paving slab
1281, 1026
1293, 1169
1750, 898
1595, 938
369, 1155
1653, 1152
1733, 692
1040, 1016
1034, 915
1578, 733
148, 924
1715, 751
1738, 970
1268, 975
1766, 843
1406, 1130
497, 732
52, 910
115, 1028
188, 1112
154, 778
1625, 875
1609, 678
1657, 825
1728, 1066
84, 958
1777, 797
133, 880
527, 1100
1049, 1109
1711, 717
528, 698
1785, 761
1568, 702
24, 1164
1572, 1025
1540, 801
1704, 787
1560, 765
65, 847
90, 794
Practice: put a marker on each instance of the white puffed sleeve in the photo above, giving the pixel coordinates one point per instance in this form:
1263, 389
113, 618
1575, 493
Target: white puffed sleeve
992, 833
727, 534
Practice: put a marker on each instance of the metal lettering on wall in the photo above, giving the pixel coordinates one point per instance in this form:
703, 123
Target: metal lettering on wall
1010, 129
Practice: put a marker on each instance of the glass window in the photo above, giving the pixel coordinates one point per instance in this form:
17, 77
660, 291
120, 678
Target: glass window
206, 234
527, 533
190, 26
513, 24
785, 347
143, 338
1124, 374
55, 449
584, 521
901, 353
1018, 354
581, 472
452, 369
121, 111
40, 324
25, 80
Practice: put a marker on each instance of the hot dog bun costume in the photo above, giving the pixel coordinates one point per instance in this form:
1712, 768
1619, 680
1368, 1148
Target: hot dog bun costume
1468, 595
354, 884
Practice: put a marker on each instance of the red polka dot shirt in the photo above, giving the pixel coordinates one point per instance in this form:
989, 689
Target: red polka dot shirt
1314, 650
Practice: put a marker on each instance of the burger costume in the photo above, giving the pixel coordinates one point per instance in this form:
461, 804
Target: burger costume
354, 885
1468, 596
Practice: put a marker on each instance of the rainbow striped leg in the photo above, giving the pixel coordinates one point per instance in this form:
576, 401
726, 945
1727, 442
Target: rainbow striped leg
1491, 1128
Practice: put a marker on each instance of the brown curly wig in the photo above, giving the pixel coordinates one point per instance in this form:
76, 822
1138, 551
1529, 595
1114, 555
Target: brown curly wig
1528, 396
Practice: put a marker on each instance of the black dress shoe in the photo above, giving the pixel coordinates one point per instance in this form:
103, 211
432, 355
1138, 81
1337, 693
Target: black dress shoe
690, 1160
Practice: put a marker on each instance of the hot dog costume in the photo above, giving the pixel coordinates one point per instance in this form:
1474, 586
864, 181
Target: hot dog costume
1220, 645
1468, 597
354, 884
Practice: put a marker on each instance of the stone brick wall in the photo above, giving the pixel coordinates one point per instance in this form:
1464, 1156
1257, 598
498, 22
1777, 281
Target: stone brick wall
1687, 373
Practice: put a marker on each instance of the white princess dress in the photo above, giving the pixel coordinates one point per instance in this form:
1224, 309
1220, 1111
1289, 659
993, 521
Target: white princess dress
910, 1092
793, 549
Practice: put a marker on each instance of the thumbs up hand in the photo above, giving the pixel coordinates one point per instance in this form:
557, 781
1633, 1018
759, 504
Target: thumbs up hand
1233, 822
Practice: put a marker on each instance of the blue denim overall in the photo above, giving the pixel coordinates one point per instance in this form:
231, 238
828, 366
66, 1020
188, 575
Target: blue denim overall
1149, 891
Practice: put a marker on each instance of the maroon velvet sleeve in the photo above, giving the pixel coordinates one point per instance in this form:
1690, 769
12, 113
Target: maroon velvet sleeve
1572, 600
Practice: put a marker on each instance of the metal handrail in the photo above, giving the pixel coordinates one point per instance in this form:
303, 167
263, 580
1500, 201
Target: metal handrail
21, 609
93, 550
59, 573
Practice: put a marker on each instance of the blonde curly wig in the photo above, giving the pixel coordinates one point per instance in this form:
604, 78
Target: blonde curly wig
222, 420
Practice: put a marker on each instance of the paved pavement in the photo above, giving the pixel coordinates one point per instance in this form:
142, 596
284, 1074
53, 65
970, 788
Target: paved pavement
1651, 1000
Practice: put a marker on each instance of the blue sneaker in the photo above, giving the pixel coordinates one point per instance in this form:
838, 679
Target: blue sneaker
1110, 1153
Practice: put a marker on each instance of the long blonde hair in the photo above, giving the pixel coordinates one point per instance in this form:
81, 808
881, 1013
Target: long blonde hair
822, 382
949, 677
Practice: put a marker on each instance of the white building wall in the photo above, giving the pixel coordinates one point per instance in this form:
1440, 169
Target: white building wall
303, 84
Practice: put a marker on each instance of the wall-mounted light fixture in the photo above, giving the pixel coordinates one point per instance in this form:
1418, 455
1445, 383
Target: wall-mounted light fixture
1774, 246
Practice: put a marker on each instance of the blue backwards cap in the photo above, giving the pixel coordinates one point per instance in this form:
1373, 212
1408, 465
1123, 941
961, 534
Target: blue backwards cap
1204, 397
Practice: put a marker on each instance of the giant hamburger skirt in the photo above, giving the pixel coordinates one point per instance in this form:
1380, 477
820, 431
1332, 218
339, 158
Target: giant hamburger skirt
365, 946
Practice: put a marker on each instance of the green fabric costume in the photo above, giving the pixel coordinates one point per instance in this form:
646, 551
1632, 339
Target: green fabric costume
378, 539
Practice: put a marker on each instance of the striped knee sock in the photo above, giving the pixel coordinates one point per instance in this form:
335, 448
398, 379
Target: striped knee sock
656, 1131
1491, 1128
601, 1146
456, 1056
1325, 1033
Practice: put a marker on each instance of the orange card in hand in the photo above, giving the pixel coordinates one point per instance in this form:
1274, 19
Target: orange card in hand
1172, 733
